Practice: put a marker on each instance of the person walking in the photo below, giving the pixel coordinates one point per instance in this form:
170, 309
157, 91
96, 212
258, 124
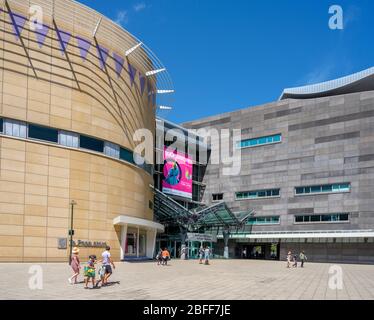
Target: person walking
201, 255
108, 264
206, 255
75, 265
289, 258
294, 261
159, 257
90, 272
303, 258
165, 257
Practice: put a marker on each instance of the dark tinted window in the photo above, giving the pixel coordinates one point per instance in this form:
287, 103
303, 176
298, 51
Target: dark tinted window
43, 133
344, 217
1, 125
262, 194
217, 196
126, 155
91, 144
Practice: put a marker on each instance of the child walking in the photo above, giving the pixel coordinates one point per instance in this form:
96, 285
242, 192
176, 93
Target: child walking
75, 265
90, 272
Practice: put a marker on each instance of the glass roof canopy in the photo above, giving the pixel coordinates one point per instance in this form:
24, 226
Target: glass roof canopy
170, 212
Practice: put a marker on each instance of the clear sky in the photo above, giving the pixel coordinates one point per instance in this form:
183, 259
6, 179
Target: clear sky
228, 55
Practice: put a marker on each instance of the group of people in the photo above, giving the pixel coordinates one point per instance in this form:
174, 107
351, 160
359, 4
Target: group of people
105, 270
163, 256
292, 259
204, 254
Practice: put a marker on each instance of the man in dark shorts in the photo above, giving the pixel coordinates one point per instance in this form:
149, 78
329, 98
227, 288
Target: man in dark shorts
107, 263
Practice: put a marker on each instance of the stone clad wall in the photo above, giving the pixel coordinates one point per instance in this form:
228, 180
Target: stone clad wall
325, 140
37, 179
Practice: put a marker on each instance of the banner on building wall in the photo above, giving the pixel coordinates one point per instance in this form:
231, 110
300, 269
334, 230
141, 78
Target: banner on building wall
177, 174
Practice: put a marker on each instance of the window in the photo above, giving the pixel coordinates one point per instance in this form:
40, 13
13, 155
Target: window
15, 128
126, 155
111, 150
1, 125
196, 190
264, 220
217, 196
68, 139
323, 218
43, 133
91, 144
328, 188
259, 141
270, 193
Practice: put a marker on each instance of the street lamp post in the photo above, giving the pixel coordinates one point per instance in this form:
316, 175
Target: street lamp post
71, 231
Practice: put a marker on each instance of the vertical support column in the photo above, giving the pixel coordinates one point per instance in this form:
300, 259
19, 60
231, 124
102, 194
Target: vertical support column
123, 240
226, 236
137, 242
184, 249
151, 243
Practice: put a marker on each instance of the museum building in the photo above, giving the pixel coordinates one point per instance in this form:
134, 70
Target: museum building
73, 90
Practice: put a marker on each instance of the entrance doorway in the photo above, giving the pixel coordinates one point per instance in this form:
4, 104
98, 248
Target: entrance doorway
194, 248
136, 243
173, 246
261, 251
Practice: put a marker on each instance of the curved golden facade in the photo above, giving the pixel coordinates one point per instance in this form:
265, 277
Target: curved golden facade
62, 77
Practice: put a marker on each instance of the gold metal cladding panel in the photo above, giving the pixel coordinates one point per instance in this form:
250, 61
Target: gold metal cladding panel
38, 181
110, 110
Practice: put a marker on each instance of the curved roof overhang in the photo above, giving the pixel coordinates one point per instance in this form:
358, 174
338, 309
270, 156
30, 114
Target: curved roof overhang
357, 82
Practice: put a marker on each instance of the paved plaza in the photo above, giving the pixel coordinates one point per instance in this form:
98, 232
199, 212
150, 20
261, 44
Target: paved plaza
223, 279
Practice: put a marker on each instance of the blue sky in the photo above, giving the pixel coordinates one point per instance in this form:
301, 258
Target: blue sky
228, 55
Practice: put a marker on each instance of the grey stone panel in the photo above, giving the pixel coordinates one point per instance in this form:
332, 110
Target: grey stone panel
212, 123
301, 211
367, 157
282, 113
343, 136
325, 122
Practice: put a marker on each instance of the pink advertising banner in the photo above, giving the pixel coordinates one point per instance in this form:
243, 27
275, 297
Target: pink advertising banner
177, 174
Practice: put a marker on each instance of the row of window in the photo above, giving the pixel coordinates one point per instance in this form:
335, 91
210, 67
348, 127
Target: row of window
248, 143
327, 188
257, 194
302, 219
338, 217
264, 220
24, 130
271, 193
